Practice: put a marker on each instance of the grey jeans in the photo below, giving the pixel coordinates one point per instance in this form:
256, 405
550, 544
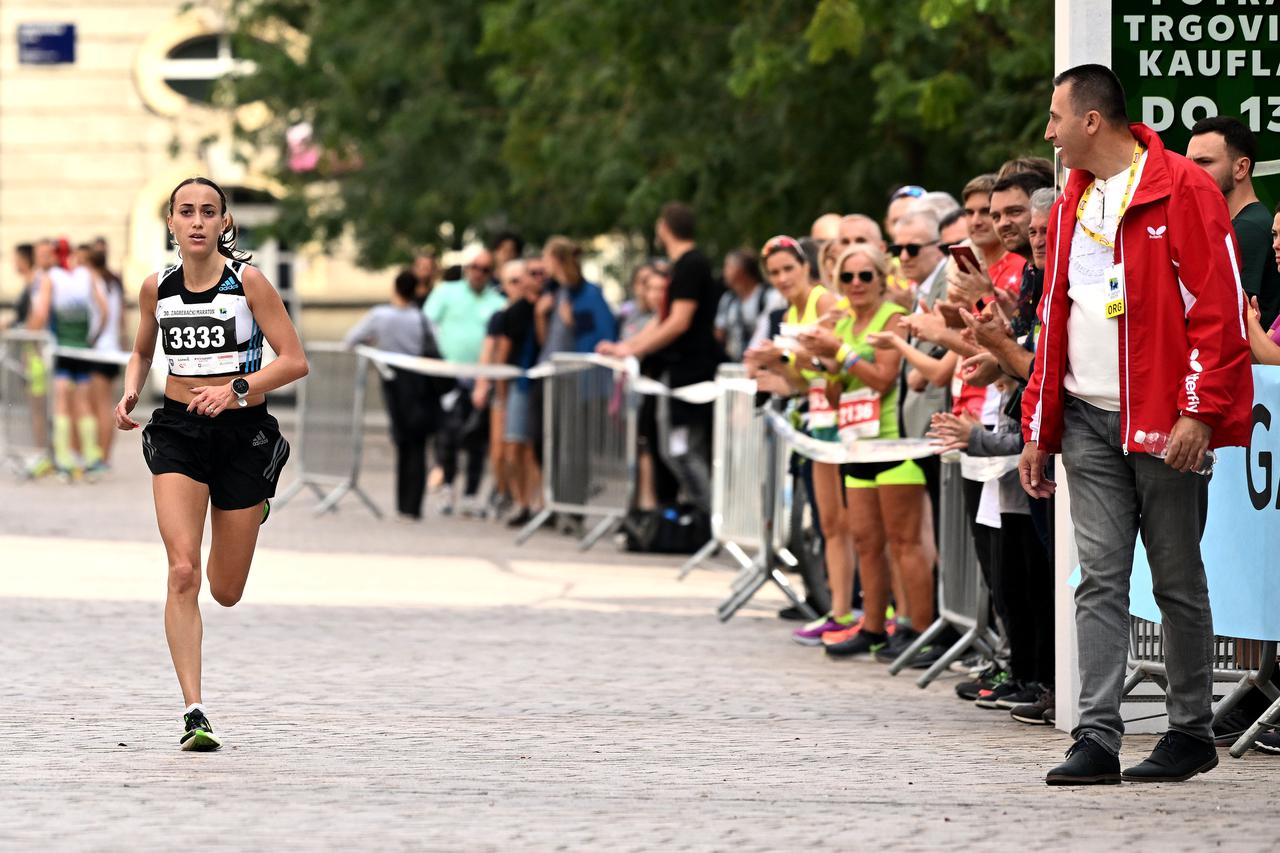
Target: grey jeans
1114, 497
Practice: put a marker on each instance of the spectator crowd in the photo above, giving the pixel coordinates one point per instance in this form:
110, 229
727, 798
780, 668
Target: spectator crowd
917, 321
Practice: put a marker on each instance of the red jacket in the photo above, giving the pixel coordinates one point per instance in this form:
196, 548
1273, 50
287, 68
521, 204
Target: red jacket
1183, 348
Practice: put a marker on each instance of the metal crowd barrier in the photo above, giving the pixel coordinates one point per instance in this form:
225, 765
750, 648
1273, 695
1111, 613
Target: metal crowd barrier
26, 396
589, 444
331, 404
737, 446
963, 598
777, 518
1147, 662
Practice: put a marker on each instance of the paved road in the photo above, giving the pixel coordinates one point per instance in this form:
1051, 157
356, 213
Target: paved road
388, 687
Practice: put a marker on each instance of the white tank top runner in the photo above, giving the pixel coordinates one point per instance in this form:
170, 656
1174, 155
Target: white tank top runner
210, 333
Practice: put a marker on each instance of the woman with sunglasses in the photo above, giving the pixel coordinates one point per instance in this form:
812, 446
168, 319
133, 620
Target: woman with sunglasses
884, 500
787, 372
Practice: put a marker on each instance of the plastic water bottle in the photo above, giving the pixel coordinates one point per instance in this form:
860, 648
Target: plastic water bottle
1157, 444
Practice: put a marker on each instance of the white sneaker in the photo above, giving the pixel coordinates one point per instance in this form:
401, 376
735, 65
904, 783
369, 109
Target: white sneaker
448, 500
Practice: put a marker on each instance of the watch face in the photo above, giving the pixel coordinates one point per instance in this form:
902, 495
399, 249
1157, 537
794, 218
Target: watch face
240, 386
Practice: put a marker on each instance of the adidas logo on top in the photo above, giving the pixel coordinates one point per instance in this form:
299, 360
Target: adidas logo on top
228, 284
259, 439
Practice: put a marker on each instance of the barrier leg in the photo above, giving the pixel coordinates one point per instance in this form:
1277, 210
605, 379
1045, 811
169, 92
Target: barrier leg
739, 555
705, 552
288, 494
743, 577
963, 645
330, 502
1135, 678
1266, 721
608, 525
910, 652
735, 601
532, 527
368, 502
780, 581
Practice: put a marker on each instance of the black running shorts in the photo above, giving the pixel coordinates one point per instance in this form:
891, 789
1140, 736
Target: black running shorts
239, 454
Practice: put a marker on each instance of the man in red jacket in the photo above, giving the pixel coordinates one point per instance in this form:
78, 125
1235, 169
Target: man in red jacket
1142, 335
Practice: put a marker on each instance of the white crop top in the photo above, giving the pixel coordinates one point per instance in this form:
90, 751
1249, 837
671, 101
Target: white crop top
210, 333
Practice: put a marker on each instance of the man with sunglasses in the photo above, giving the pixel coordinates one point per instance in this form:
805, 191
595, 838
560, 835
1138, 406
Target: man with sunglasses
459, 313
915, 246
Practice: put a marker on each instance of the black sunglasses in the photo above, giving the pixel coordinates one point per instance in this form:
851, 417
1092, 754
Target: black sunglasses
913, 249
865, 276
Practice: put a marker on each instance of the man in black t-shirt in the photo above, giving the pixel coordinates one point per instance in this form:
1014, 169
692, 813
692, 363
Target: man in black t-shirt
1225, 148
682, 338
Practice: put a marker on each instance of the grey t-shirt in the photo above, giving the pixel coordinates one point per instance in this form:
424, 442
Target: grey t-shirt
390, 328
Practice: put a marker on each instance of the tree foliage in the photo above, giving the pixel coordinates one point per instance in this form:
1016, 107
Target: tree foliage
583, 116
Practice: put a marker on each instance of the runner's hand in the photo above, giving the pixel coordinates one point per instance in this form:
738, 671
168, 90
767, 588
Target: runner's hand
211, 400
123, 408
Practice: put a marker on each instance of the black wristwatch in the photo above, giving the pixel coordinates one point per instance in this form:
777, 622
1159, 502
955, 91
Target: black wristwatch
241, 386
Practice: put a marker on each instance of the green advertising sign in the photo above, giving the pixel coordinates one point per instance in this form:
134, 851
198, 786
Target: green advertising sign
1184, 60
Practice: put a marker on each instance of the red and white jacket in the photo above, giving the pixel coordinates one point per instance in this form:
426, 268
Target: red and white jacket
1183, 349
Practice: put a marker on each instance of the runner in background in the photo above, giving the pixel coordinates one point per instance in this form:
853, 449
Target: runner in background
65, 304
34, 373
102, 374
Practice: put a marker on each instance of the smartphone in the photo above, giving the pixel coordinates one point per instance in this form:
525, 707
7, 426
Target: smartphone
965, 257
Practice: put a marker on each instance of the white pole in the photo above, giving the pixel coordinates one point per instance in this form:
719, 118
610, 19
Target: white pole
1082, 33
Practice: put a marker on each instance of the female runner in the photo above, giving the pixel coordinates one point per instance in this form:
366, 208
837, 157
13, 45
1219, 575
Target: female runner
212, 442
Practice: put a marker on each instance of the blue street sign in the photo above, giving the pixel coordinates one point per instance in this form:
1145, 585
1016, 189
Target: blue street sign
46, 44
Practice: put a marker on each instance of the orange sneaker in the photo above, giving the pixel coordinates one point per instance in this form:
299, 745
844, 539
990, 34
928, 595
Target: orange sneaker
832, 637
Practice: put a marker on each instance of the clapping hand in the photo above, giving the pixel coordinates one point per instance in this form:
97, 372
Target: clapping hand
952, 432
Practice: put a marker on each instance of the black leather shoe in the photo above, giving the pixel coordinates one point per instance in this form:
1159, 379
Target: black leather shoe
1176, 758
1088, 763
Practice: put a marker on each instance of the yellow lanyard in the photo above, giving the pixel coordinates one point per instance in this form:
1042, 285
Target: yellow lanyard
1124, 201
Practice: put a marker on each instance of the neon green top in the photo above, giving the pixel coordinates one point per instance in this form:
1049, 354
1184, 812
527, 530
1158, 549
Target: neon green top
858, 342
809, 317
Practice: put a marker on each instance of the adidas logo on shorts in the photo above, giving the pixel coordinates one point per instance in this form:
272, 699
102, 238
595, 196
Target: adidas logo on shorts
259, 439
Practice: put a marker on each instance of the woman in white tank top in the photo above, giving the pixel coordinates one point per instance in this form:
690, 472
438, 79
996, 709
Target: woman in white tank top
213, 448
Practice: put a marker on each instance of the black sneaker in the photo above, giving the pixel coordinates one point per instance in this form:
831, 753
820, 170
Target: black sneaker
990, 698
861, 643
991, 677
1033, 713
1050, 715
1233, 724
521, 518
928, 656
795, 614
898, 643
198, 736
1088, 763
1268, 742
1029, 693
1177, 757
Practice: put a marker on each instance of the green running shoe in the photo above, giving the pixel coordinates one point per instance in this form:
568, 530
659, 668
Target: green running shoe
198, 736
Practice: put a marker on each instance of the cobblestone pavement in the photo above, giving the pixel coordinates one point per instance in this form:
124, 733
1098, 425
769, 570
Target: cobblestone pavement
388, 687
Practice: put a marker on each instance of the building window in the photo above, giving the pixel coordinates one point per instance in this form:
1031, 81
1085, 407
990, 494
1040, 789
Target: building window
194, 67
